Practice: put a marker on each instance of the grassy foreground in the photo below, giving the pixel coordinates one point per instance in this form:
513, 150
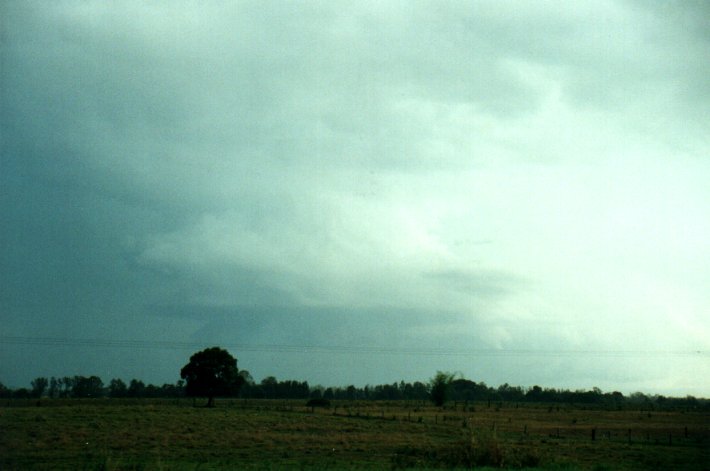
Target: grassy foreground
173, 435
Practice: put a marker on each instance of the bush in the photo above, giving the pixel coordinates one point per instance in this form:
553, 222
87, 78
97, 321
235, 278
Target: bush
318, 402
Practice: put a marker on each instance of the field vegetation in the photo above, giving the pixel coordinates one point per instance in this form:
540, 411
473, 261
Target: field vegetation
180, 434
217, 417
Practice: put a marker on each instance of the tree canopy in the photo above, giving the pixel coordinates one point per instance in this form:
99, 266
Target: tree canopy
440, 387
210, 373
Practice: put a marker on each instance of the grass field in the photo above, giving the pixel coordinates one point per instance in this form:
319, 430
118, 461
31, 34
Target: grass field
147, 434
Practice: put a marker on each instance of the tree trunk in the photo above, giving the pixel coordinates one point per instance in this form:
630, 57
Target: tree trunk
210, 401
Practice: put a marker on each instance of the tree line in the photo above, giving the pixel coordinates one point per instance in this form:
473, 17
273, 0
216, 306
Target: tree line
213, 373
91, 387
459, 390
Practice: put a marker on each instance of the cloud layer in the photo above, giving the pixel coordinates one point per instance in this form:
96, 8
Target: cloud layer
488, 177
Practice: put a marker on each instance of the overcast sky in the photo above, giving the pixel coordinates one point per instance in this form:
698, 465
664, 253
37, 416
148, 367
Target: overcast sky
516, 191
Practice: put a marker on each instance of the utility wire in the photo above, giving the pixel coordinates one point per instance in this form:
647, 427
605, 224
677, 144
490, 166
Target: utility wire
337, 349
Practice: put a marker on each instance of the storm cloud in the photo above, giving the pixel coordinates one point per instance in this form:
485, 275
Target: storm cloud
412, 185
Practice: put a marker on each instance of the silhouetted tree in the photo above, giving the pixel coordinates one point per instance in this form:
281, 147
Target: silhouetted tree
22, 393
317, 392
173, 390
136, 388
210, 373
67, 384
54, 387
91, 386
510, 393
117, 388
466, 390
269, 387
151, 390
246, 376
440, 386
351, 392
39, 385
534, 393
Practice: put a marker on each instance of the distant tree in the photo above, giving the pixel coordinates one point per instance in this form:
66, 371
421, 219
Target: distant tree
638, 398
5, 391
151, 391
691, 400
466, 390
269, 387
67, 384
91, 386
351, 392
136, 388
173, 390
249, 387
22, 393
317, 392
534, 394
292, 389
246, 377
117, 388
510, 393
418, 391
210, 373
54, 386
39, 385
440, 386
615, 398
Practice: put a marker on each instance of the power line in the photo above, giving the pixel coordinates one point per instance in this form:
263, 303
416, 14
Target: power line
337, 349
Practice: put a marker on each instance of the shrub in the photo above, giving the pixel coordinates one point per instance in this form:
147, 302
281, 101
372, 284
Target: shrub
318, 402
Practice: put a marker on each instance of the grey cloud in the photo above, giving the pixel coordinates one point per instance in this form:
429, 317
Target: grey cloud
483, 284
328, 326
301, 173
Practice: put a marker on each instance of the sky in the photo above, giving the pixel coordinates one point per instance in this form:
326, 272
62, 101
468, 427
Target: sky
358, 192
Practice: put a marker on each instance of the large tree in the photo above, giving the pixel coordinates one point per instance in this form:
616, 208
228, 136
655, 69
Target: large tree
210, 373
440, 386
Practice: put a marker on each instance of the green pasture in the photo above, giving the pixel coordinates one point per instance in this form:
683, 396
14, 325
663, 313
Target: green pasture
110, 434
